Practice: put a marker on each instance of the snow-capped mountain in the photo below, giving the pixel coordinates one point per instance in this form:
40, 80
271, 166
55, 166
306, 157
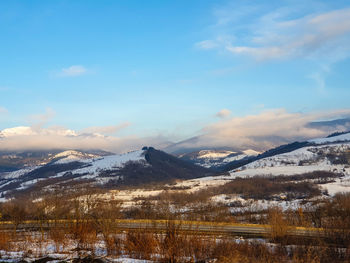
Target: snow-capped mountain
71, 156
331, 154
69, 168
217, 158
343, 137
15, 160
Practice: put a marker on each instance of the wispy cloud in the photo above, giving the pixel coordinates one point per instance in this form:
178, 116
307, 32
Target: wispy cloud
274, 35
39, 120
107, 130
264, 130
207, 44
72, 71
319, 77
223, 113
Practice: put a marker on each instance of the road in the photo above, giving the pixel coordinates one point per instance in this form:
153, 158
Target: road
163, 225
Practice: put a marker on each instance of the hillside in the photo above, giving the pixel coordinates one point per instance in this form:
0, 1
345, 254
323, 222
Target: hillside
69, 168
216, 159
331, 155
287, 148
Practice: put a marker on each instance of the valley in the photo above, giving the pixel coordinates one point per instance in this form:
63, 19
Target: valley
149, 184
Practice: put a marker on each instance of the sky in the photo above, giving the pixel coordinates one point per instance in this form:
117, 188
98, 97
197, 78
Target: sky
120, 74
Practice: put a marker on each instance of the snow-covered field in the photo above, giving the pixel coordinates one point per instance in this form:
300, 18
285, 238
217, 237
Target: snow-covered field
31, 247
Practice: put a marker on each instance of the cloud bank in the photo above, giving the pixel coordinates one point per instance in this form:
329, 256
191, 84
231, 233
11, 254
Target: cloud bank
73, 71
28, 138
260, 131
107, 130
264, 130
275, 35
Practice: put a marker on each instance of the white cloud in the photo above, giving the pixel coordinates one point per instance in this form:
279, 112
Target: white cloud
260, 131
112, 129
28, 138
264, 130
276, 36
73, 71
257, 130
319, 77
207, 44
223, 113
39, 120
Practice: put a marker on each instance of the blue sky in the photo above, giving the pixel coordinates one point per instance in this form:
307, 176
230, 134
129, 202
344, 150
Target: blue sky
171, 69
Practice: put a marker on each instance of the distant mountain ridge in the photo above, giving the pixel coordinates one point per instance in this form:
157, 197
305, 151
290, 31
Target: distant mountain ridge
334, 138
14, 160
224, 160
215, 159
68, 168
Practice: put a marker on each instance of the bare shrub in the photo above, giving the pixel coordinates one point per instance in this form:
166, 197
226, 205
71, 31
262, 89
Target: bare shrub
59, 236
141, 245
259, 187
336, 221
278, 224
113, 245
15, 211
172, 244
85, 234
199, 248
5, 239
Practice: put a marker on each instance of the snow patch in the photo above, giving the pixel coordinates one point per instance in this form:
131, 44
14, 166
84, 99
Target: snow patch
339, 138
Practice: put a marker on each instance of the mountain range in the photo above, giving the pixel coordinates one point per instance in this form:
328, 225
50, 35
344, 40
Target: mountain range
44, 170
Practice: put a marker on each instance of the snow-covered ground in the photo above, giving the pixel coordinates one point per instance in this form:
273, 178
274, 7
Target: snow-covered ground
303, 160
32, 248
339, 138
93, 165
212, 158
18, 173
72, 156
110, 162
213, 154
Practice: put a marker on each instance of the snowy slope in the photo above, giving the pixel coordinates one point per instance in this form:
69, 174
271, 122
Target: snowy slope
300, 161
72, 156
304, 160
216, 158
70, 169
303, 157
111, 162
211, 154
78, 164
340, 138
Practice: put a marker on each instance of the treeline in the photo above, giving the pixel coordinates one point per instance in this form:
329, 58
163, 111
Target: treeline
93, 221
95, 225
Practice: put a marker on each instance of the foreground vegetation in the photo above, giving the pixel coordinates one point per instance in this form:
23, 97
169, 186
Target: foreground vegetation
93, 232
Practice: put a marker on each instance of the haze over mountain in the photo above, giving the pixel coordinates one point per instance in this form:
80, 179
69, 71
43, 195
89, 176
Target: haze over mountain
36, 171
258, 132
